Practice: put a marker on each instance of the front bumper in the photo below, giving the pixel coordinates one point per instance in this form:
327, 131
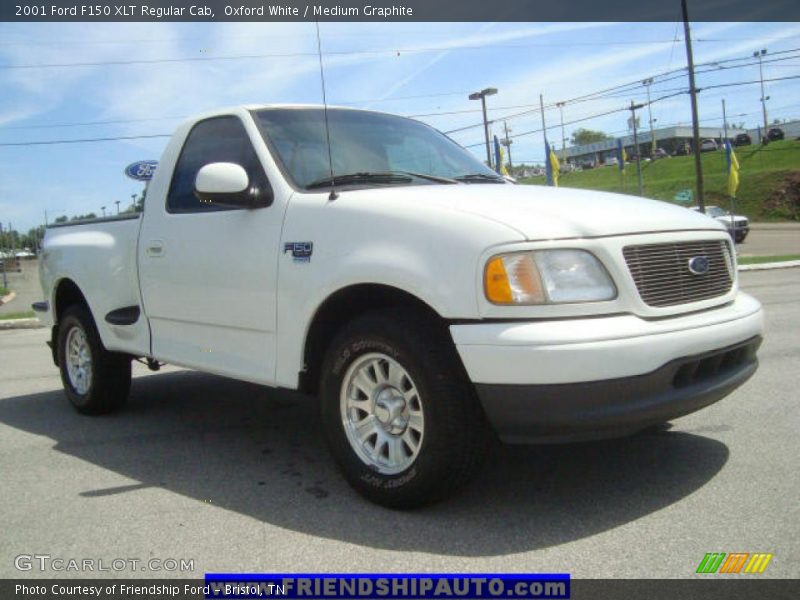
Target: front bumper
587, 378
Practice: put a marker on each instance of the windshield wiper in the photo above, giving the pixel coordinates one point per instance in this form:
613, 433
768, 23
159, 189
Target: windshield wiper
387, 177
480, 178
361, 177
436, 178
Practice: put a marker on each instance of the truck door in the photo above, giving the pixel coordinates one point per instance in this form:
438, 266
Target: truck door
208, 272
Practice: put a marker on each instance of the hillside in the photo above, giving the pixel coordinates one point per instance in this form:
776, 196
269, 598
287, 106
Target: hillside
769, 176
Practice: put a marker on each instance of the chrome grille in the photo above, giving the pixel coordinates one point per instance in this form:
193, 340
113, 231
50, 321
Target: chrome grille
663, 278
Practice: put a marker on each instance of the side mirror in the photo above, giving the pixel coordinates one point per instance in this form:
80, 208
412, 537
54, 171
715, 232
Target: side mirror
227, 184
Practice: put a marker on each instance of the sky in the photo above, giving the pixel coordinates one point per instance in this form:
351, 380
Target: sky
412, 69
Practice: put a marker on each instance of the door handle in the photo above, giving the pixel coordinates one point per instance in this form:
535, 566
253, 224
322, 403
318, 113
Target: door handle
155, 249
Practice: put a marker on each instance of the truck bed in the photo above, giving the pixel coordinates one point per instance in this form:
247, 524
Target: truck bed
99, 257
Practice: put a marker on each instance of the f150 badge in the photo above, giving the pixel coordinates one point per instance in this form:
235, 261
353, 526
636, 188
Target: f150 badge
301, 251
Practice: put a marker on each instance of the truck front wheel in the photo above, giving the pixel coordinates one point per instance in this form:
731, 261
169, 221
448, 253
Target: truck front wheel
95, 380
400, 415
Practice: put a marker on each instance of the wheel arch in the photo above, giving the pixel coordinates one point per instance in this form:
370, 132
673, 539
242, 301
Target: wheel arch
65, 294
341, 307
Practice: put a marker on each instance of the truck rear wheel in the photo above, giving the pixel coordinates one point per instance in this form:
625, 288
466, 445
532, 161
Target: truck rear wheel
401, 417
95, 380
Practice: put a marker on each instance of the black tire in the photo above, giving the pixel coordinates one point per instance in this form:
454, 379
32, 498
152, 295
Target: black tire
110, 380
455, 429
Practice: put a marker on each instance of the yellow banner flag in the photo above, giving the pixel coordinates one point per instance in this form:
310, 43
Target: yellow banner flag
555, 167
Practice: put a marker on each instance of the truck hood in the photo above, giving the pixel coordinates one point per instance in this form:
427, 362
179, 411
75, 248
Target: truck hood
540, 213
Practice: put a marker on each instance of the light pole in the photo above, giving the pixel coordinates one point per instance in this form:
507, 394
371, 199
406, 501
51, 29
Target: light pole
759, 55
647, 83
560, 106
117, 203
103, 208
482, 97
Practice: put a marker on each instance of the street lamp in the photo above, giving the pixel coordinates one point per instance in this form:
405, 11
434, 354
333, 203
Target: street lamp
482, 97
759, 54
103, 208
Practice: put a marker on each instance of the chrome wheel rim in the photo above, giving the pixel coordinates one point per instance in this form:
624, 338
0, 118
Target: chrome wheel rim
79, 360
382, 413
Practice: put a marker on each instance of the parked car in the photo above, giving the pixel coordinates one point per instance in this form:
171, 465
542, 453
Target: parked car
708, 145
775, 134
611, 161
660, 153
743, 139
738, 225
683, 149
423, 298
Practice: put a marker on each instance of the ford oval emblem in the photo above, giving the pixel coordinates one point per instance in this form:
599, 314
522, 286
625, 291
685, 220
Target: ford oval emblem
142, 170
698, 265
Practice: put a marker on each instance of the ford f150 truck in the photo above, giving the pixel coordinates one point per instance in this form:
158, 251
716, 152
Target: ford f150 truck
427, 301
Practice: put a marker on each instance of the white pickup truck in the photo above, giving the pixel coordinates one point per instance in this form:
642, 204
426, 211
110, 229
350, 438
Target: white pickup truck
427, 301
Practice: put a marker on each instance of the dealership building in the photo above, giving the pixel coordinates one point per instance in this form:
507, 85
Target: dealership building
668, 138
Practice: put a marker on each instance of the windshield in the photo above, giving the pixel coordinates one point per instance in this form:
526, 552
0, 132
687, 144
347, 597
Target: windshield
715, 211
363, 144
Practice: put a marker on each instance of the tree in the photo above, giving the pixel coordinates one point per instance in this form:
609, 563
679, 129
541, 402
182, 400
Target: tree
90, 215
62, 219
138, 204
588, 136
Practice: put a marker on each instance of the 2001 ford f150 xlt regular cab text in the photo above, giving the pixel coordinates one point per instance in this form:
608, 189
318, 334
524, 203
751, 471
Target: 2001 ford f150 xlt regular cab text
426, 300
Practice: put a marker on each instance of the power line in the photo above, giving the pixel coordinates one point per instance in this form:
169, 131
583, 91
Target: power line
387, 51
633, 86
86, 140
181, 117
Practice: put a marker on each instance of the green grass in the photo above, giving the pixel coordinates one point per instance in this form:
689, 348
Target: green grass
4, 291
27, 314
757, 260
764, 171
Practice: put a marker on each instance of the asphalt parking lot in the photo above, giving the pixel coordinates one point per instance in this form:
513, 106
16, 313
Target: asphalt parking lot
236, 478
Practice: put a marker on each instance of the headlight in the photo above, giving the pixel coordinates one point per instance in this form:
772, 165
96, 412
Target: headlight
547, 277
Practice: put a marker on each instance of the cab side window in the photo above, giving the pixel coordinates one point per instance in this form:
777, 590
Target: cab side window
219, 139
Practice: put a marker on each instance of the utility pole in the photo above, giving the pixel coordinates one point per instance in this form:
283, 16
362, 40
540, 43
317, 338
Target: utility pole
482, 97
647, 83
724, 120
507, 143
560, 106
636, 146
698, 165
117, 203
759, 55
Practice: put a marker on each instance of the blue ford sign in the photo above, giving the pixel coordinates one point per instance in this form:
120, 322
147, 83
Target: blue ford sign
142, 170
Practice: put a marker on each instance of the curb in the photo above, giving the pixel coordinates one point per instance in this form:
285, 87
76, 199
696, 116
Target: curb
32, 323
773, 265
